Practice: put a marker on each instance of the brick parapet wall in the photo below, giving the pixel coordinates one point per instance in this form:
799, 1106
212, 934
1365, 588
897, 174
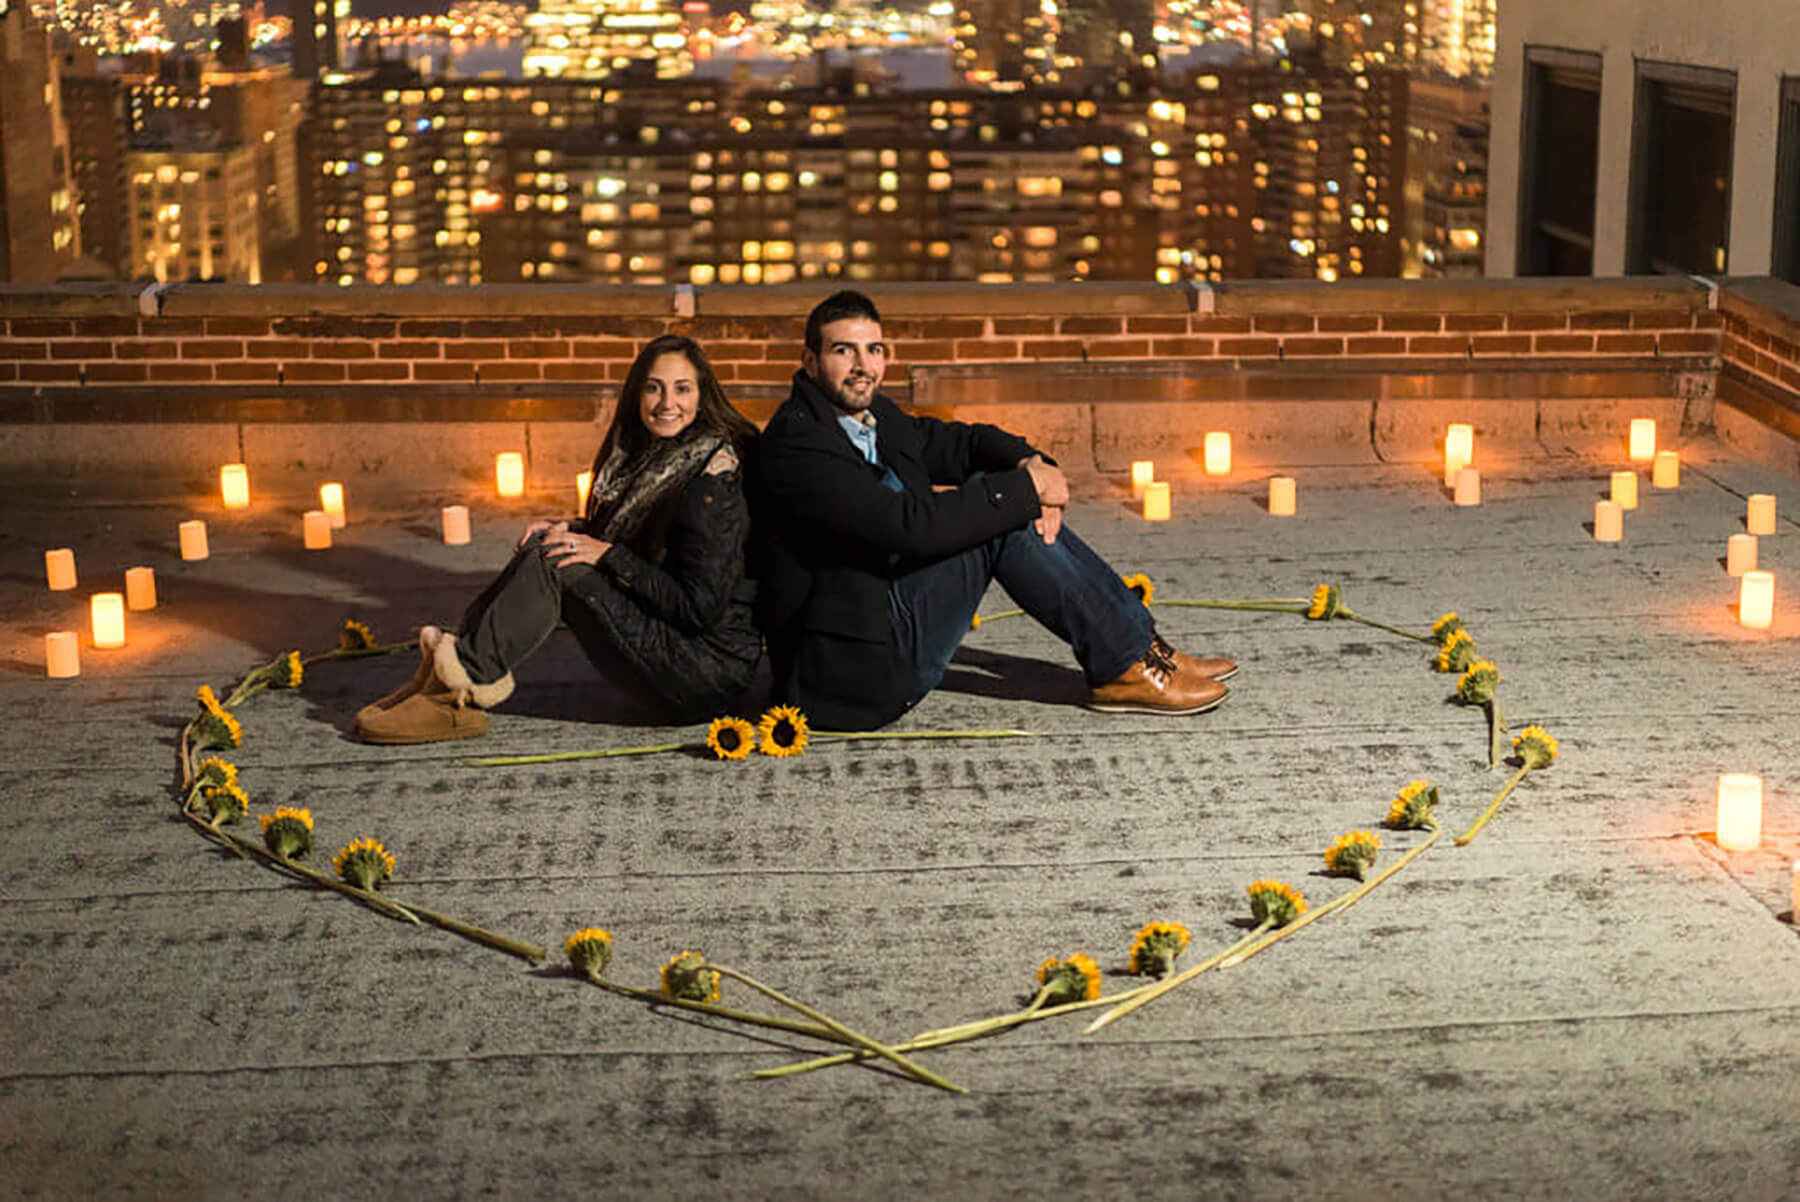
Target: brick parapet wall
1760, 351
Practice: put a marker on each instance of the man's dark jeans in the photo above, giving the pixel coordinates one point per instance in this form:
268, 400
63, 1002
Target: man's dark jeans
1067, 587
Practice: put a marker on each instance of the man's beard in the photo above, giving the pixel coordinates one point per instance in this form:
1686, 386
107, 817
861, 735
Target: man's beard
848, 399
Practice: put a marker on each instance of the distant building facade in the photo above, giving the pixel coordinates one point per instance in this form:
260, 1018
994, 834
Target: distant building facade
40, 232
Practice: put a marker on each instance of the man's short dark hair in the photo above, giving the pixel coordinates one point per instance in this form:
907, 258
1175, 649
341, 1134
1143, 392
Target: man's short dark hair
839, 306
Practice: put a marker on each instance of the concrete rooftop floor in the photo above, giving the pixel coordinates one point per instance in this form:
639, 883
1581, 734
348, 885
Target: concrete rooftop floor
1592, 1000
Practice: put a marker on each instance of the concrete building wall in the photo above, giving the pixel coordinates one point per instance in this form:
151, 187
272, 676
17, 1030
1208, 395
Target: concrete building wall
1759, 40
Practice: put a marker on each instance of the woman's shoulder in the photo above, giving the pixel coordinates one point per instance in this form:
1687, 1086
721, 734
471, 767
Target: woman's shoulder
724, 460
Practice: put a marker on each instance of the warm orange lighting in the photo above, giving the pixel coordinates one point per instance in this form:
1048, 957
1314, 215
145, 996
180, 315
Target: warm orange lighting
1142, 472
1218, 453
1740, 811
1643, 439
456, 525
1759, 513
331, 500
315, 529
584, 481
107, 614
1756, 599
140, 588
1156, 501
59, 568
1625, 489
1609, 522
234, 485
509, 474
62, 654
1459, 450
1468, 486
1740, 554
193, 539
1281, 496
1666, 471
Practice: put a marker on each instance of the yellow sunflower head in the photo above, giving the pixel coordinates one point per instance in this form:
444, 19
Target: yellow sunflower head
288, 832
1352, 853
214, 772
355, 636
218, 727
730, 738
1477, 683
1412, 807
783, 731
1075, 978
687, 977
1155, 947
1275, 902
1536, 746
1140, 584
1446, 625
364, 863
287, 671
589, 951
974, 621
1327, 603
1456, 654
209, 700
226, 803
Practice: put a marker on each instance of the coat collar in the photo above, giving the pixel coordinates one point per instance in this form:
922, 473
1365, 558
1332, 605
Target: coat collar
812, 398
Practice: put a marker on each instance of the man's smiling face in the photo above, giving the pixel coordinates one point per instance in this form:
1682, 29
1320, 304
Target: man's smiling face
850, 362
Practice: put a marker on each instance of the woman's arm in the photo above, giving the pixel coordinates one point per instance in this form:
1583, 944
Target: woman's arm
705, 557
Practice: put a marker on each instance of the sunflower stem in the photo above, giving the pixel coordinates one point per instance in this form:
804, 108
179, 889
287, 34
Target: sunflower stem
1496, 733
1280, 605
368, 897
880, 1049
925, 734
997, 616
1156, 990
1405, 634
655, 998
1463, 839
558, 757
521, 948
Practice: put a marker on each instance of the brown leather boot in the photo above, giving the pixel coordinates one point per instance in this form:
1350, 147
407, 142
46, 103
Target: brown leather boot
1215, 666
419, 680
1158, 684
447, 706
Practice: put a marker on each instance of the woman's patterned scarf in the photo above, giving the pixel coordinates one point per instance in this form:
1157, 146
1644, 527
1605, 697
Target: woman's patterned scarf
627, 491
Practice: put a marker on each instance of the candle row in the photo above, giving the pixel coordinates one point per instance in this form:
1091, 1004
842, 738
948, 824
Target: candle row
1156, 496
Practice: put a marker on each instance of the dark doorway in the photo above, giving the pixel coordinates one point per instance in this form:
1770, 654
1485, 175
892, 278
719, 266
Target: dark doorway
1786, 261
1559, 162
1680, 215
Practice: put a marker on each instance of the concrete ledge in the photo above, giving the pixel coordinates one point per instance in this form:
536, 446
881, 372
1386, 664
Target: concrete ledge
1756, 439
1567, 295
71, 300
435, 300
950, 299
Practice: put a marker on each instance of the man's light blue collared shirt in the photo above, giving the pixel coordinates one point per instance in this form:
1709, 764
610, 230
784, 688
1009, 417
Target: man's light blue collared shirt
862, 437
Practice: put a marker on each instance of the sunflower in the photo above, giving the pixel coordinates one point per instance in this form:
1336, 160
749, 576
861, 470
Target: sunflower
1275, 902
216, 726
288, 832
730, 738
1352, 853
783, 731
1476, 685
686, 977
1446, 626
1327, 602
286, 671
355, 636
974, 621
1412, 807
364, 863
589, 950
214, 772
1456, 654
1075, 979
1140, 584
1536, 746
1155, 946
226, 803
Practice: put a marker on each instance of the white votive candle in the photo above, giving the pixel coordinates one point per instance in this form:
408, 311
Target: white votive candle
1643, 439
1217, 453
62, 654
106, 613
1740, 811
1756, 600
1666, 471
59, 568
1759, 513
1281, 496
509, 474
1459, 450
584, 483
140, 588
1740, 554
193, 539
315, 529
1156, 501
1624, 489
331, 500
234, 485
1468, 486
456, 525
1142, 472
1609, 522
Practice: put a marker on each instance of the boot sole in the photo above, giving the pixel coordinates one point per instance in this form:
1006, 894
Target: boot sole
1225, 676
381, 740
1127, 707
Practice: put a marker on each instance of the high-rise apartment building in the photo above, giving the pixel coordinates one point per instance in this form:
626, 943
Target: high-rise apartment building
40, 234
1003, 45
588, 39
1456, 37
94, 110
193, 211
1446, 178
318, 35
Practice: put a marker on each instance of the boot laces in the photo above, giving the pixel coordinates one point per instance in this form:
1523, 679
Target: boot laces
1159, 662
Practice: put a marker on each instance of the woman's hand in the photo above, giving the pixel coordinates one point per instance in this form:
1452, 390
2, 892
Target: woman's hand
562, 547
537, 527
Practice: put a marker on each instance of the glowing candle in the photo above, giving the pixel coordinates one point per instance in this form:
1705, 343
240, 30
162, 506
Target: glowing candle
1609, 522
193, 539
1218, 453
140, 588
234, 485
1624, 489
1759, 513
107, 613
1281, 496
1756, 600
1459, 450
331, 500
1740, 554
456, 525
509, 474
315, 529
62, 654
1142, 472
59, 568
1156, 501
1643, 439
1468, 486
584, 481
1666, 471
1740, 811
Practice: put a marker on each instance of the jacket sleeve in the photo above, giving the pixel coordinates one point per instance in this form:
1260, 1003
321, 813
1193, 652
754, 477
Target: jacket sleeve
704, 562
954, 451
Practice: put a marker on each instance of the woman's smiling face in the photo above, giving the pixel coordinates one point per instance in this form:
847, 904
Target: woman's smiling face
671, 395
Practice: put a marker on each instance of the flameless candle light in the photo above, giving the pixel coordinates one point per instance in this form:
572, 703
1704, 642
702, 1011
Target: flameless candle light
1740, 554
1643, 439
140, 588
1468, 486
584, 481
509, 474
234, 485
1624, 489
456, 525
1218, 453
107, 613
193, 539
1759, 513
1609, 522
1142, 472
1281, 496
1459, 450
331, 500
1740, 811
62, 654
1756, 600
1156, 501
315, 529
59, 568
1666, 471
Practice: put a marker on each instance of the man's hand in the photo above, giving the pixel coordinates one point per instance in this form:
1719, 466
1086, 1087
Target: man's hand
1049, 524
1052, 488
